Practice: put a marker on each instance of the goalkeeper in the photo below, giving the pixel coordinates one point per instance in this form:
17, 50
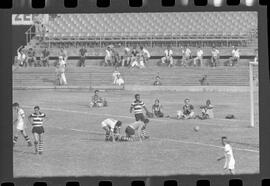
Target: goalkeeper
137, 107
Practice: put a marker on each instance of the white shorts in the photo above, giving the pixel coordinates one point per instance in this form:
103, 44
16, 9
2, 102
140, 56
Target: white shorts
20, 126
230, 165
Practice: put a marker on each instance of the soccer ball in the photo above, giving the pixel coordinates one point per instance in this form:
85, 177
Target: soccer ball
196, 129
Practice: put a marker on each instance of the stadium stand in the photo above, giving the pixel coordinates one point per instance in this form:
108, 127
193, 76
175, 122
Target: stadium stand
96, 75
151, 29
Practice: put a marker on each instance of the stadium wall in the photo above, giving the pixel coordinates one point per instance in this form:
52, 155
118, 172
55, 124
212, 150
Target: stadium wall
18, 37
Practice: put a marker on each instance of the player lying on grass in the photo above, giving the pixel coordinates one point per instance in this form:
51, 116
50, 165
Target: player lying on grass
228, 156
157, 109
112, 129
98, 101
20, 124
207, 111
138, 127
37, 119
187, 112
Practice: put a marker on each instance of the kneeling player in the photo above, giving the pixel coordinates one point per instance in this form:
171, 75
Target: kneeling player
131, 129
207, 110
112, 128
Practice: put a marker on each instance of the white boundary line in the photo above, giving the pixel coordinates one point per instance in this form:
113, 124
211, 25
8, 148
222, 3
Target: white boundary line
164, 139
129, 117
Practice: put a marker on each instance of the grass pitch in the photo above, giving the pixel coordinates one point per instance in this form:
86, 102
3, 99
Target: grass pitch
74, 141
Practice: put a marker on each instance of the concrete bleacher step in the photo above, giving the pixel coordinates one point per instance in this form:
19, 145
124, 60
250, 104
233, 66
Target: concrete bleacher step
103, 76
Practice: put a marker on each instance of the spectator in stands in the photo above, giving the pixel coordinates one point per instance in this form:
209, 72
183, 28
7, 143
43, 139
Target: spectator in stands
60, 71
126, 57
145, 53
31, 57
157, 109
45, 57
108, 56
215, 56
157, 81
115, 74
20, 59
204, 81
186, 56
116, 61
138, 62
256, 58
198, 60
98, 101
187, 112
168, 58
134, 53
83, 52
235, 57
64, 54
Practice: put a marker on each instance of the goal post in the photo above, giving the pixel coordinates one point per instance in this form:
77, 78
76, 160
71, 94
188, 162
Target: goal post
252, 64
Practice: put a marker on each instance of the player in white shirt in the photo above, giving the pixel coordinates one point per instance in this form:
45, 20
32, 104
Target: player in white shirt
112, 128
146, 54
20, 124
235, 56
168, 57
61, 71
215, 56
229, 165
108, 56
186, 55
256, 58
199, 57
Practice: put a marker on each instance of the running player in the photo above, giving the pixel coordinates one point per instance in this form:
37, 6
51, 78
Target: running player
112, 129
37, 119
137, 106
137, 126
228, 155
20, 124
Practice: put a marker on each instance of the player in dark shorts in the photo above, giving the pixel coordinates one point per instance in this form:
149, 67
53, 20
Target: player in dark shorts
37, 119
83, 52
137, 107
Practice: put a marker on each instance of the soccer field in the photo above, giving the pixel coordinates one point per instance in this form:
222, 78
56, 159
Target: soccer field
74, 142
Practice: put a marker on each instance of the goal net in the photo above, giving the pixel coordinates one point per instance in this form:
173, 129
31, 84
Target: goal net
254, 97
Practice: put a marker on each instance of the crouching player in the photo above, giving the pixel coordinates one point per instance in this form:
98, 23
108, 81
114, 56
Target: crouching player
37, 119
187, 112
228, 155
137, 126
112, 129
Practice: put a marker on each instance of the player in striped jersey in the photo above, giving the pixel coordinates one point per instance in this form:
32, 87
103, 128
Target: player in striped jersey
37, 119
137, 126
112, 128
20, 124
137, 106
